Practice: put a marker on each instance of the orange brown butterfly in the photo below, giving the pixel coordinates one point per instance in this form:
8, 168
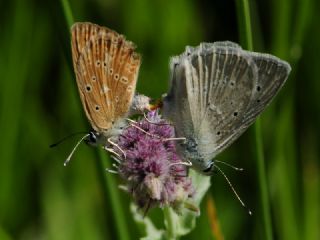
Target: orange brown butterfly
106, 68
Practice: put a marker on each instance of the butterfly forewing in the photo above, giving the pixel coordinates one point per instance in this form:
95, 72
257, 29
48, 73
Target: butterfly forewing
217, 91
271, 74
106, 69
81, 34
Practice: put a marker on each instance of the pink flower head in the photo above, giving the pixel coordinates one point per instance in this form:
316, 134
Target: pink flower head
154, 173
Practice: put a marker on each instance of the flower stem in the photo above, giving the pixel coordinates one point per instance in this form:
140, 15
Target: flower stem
245, 32
170, 223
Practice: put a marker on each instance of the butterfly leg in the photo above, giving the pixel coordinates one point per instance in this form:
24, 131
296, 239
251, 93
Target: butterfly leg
111, 151
174, 139
113, 171
152, 135
133, 124
185, 163
116, 159
116, 145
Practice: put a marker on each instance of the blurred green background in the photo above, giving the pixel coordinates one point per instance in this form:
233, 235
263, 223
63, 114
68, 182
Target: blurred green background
42, 199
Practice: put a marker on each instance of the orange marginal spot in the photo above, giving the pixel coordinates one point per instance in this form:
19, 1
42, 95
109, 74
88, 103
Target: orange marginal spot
213, 219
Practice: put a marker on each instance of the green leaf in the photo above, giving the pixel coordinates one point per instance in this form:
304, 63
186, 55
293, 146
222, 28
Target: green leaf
146, 226
181, 224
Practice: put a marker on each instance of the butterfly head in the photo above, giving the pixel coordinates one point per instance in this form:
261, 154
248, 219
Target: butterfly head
95, 138
210, 169
192, 150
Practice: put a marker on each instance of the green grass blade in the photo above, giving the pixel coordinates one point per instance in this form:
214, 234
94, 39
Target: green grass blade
67, 12
108, 182
244, 21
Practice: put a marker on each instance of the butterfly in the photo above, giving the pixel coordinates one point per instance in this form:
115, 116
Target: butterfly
106, 68
217, 91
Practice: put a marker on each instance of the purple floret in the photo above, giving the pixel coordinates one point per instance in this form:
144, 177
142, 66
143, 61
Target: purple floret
154, 173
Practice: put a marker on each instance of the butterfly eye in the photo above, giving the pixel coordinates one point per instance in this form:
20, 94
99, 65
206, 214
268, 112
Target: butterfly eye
92, 139
209, 169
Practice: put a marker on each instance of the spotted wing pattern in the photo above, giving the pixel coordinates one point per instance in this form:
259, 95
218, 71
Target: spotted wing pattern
106, 68
217, 91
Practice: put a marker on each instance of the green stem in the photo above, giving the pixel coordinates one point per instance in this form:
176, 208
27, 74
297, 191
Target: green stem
170, 223
67, 12
108, 183
244, 24
245, 32
263, 181
63, 20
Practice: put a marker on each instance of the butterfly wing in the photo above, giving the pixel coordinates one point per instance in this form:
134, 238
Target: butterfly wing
217, 91
270, 74
106, 68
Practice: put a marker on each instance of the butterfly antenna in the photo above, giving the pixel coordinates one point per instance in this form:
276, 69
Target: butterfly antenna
234, 191
65, 138
229, 165
75, 147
